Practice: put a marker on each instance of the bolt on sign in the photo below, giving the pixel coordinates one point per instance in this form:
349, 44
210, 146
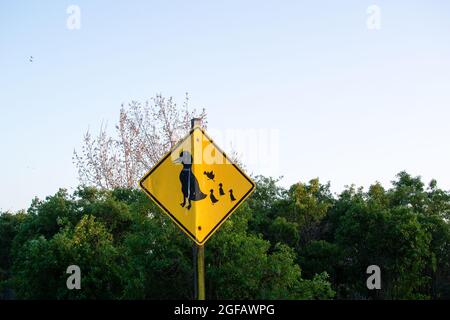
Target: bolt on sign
197, 185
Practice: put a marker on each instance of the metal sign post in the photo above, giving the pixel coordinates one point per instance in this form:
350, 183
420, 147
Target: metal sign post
199, 251
201, 272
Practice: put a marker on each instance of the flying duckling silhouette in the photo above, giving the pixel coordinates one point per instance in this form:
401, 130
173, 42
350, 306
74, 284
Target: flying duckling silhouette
212, 197
221, 189
209, 174
189, 184
232, 198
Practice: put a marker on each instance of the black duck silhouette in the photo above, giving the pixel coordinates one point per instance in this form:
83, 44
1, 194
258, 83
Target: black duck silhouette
221, 189
210, 175
232, 198
212, 197
189, 184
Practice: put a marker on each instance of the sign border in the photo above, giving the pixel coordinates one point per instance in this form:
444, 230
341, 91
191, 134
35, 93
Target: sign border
174, 219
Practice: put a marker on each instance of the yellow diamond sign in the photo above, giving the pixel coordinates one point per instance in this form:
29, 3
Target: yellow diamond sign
197, 185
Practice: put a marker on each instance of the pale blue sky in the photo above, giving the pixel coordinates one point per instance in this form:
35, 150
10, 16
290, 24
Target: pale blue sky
351, 105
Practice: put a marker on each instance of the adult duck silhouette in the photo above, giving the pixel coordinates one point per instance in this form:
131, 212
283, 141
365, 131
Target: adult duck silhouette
189, 184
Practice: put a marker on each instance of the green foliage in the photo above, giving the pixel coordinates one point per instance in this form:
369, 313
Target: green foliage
318, 288
41, 264
310, 204
9, 225
241, 265
320, 255
296, 243
265, 203
158, 261
282, 230
390, 238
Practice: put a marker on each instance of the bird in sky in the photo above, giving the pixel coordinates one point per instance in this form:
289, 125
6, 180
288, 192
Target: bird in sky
31, 58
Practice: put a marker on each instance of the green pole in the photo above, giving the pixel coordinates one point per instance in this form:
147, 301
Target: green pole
201, 272
199, 252
194, 260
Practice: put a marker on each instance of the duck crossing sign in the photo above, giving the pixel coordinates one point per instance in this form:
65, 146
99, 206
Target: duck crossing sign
197, 185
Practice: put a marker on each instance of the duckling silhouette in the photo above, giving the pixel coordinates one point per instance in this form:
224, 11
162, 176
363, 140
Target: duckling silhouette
209, 174
232, 198
212, 197
189, 184
221, 189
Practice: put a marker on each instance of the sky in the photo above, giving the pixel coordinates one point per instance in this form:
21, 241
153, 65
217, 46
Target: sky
333, 89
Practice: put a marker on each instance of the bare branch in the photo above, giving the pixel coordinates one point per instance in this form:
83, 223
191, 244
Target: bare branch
144, 133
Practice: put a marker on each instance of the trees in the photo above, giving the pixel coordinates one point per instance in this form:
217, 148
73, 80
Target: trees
8, 230
242, 265
432, 206
9, 226
392, 239
403, 230
145, 132
310, 206
395, 230
126, 248
40, 266
296, 243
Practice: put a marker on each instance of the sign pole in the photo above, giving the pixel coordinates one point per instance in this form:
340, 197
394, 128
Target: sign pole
201, 272
199, 251
194, 254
